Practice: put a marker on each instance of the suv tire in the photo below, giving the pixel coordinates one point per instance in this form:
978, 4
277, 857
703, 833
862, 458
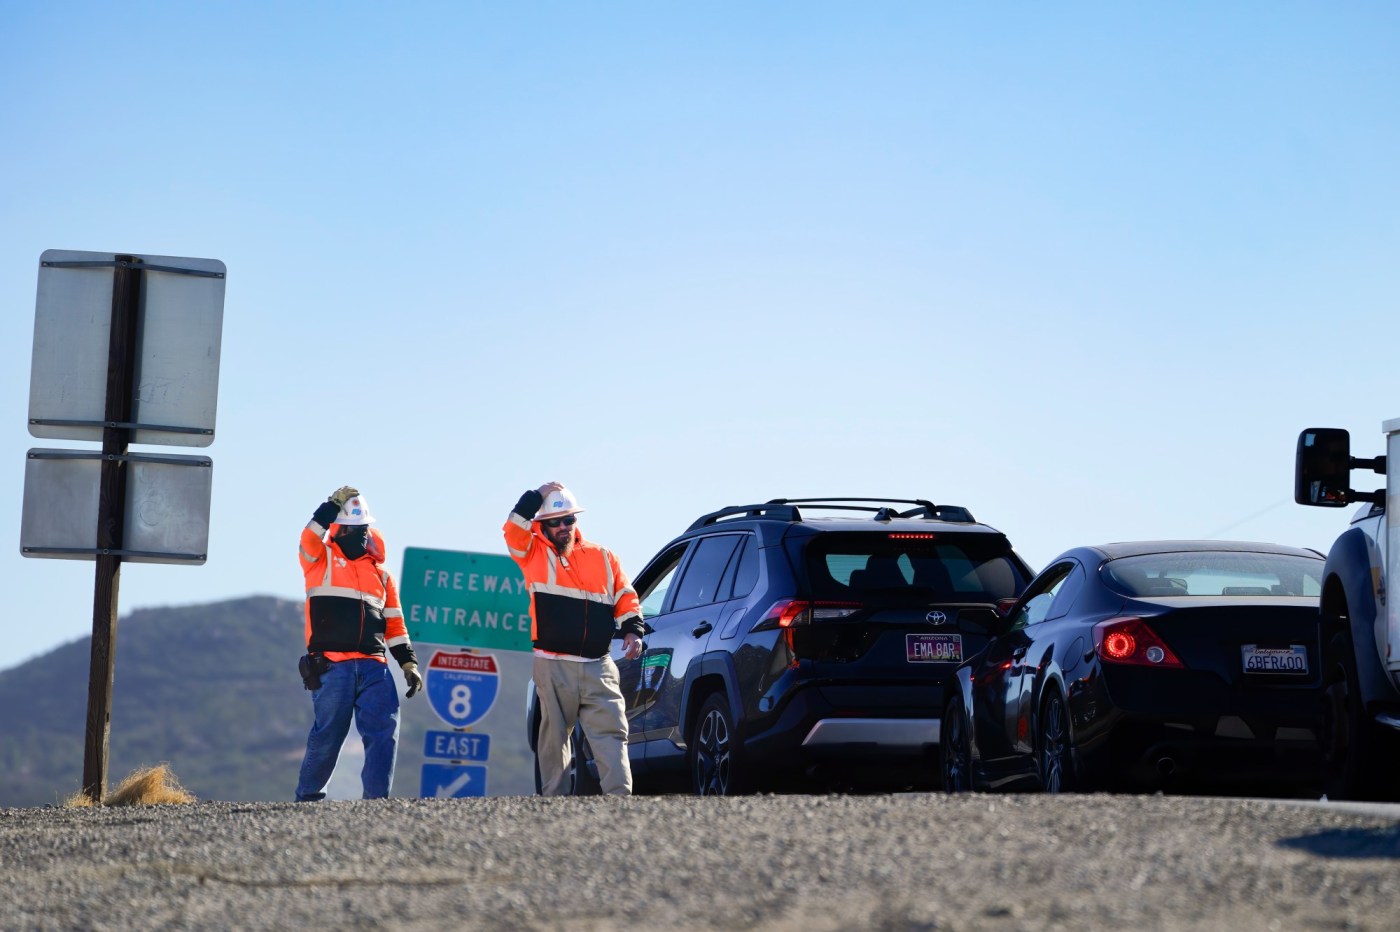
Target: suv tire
955, 750
716, 764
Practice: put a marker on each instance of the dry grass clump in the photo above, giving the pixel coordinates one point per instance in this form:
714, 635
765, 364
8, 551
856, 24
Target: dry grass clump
148, 786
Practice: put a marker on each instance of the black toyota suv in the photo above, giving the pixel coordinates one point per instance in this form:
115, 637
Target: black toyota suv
803, 639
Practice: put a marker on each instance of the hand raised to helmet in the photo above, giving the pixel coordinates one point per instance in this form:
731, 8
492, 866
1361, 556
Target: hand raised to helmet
342, 495
548, 487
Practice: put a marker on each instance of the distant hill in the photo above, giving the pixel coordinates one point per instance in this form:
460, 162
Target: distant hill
211, 689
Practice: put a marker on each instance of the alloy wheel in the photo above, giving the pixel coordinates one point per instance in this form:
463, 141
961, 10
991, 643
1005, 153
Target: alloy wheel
956, 752
712, 753
1054, 747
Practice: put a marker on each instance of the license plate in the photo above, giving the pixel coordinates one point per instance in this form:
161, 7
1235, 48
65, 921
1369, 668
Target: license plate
934, 648
1292, 659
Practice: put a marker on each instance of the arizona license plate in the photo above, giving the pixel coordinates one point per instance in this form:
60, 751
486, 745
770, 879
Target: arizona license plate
934, 648
1292, 659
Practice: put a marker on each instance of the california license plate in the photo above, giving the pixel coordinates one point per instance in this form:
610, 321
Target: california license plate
934, 648
1291, 660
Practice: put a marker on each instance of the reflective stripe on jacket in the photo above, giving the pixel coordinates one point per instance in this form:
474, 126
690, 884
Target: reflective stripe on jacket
577, 602
352, 606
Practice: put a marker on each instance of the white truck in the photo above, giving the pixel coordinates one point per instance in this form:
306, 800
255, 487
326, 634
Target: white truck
1360, 603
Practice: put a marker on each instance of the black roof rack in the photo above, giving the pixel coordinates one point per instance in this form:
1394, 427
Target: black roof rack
785, 509
778, 513
941, 512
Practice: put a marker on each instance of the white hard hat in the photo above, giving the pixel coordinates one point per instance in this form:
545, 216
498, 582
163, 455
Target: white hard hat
558, 503
355, 511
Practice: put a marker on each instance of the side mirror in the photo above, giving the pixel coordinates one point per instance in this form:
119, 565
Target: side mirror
1322, 470
1004, 607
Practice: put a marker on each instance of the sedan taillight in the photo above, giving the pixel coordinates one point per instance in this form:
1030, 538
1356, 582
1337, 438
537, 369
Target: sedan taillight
1129, 640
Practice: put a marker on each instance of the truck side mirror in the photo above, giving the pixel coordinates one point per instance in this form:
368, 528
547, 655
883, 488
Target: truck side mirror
1322, 471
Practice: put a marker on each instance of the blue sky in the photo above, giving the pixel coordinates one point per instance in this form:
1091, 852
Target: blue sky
1086, 269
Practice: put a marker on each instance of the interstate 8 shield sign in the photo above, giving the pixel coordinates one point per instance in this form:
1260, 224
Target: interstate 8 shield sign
462, 687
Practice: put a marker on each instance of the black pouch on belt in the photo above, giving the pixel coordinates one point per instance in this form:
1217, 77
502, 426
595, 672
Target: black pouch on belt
311, 666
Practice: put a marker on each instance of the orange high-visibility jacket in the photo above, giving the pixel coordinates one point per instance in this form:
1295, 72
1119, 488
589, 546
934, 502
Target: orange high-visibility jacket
577, 602
352, 606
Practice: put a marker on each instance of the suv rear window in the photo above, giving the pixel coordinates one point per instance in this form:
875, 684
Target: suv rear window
942, 567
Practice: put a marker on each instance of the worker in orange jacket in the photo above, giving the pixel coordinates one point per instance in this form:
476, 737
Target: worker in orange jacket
579, 600
353, 617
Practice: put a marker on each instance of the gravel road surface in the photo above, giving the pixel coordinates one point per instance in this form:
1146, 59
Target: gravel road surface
906, 861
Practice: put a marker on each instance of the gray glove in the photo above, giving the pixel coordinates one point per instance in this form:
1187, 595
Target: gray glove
413, 678
548, 487
342, 495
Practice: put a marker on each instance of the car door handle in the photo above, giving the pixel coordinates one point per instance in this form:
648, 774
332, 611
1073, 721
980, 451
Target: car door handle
702, 628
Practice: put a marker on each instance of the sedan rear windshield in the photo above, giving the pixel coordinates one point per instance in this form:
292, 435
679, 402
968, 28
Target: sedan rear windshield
1215, 573
941, 567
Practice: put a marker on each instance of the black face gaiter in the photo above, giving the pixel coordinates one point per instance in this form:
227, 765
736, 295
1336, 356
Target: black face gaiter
351, 541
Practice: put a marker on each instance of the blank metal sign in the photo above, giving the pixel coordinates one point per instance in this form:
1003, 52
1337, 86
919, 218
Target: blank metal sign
167, 507
179, 329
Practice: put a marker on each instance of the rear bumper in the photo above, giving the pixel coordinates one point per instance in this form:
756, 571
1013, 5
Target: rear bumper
1157, 728
1151, 752
896, 734
810, 728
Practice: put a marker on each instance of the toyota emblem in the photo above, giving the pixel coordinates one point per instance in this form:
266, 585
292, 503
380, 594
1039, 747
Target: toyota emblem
936, 618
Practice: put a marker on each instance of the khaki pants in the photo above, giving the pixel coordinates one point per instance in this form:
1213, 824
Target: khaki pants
587, 693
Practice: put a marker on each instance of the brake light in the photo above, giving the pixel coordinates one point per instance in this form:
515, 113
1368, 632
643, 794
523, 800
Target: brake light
1118, 645
792, 613
788, 613
912, 536
1129, 640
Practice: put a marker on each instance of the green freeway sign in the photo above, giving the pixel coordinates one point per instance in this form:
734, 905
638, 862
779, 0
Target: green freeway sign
468, 599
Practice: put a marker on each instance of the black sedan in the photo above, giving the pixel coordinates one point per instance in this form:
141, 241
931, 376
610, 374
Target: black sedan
1154, 664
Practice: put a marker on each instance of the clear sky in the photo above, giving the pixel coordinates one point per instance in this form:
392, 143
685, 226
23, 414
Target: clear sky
1086, 269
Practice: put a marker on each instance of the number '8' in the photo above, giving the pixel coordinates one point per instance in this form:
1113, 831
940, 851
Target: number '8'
460, 704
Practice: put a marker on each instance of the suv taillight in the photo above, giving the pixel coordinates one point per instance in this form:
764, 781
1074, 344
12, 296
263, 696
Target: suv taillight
792, 613
1129, 640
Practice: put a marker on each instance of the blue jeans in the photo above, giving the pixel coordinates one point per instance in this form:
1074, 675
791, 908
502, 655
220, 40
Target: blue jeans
365, 690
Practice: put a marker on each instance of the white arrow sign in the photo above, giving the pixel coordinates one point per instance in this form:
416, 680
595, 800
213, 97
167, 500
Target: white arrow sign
450, 790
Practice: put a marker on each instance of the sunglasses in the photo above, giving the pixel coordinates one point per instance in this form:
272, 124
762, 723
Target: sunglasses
566, 521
